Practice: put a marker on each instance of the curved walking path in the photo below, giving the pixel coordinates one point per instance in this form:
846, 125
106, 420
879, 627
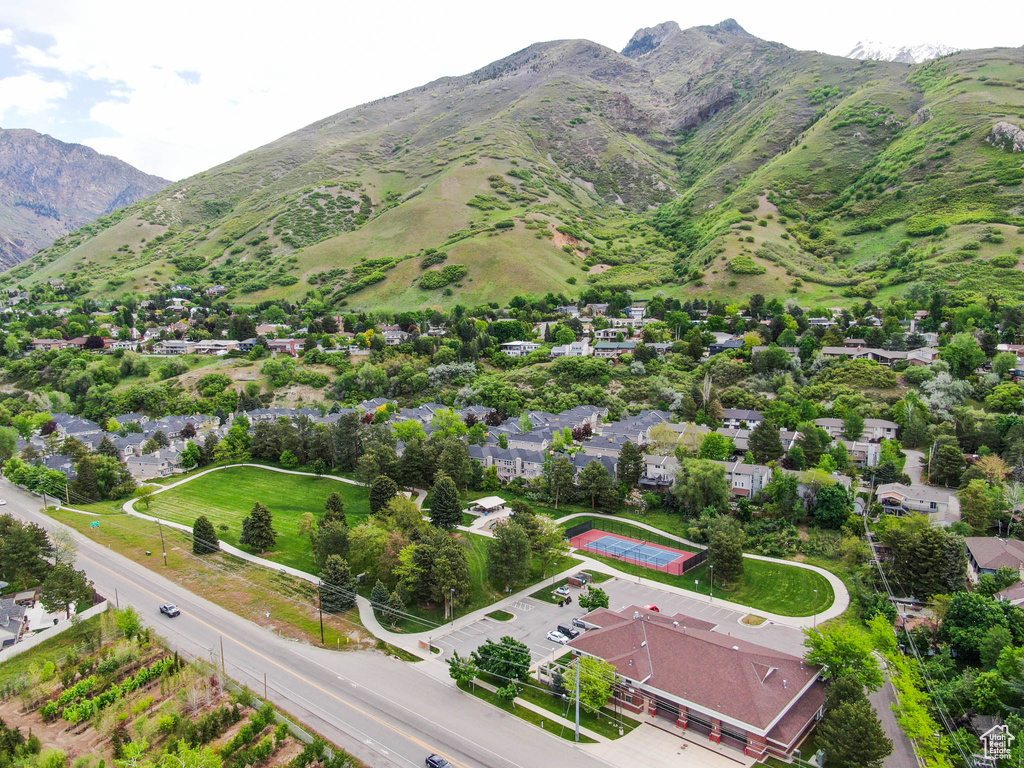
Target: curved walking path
415, 642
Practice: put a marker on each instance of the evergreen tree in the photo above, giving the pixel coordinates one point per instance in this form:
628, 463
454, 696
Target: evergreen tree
594, 481
258, 529
396, 607
107, 447
86, 486
560, 475
725, 542
204, 537
508, 556
379, 597
63, 587
338, 585
445, 505
947, 463
454, 461
334, 509
852, 736
331, 539
631, 465
383, 490
853, 426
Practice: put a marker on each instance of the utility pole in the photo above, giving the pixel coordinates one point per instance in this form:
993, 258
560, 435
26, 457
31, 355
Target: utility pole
162, 547
320, 610
117, 600
44, 497
711, 589
222, 667
578, 693
67, 496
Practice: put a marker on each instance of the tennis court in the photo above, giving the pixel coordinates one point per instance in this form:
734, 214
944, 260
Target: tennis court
656, 556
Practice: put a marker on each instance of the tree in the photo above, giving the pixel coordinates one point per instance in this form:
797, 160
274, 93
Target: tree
547, 541
832, 506
128, 621
334, 508
331, 539
288, 460
594, 598
853, 425
445, 505
992, 644
977, 503
86, 486
507, 658
107, 447
508, 556
970, 617
258, 529
716, 447
963, 354
204, 537
337, 585
725, 543
701, 484
454, 461
1005, 398
23, 551
462, 669
844, 650
383, 490
596, 679
766, 443
560, 476
64, 587
379, 597
813, 441
851, 736
594, 481
191, 456
947, 463
631, 465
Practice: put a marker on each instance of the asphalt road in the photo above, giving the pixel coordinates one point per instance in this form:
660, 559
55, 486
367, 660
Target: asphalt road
384, 711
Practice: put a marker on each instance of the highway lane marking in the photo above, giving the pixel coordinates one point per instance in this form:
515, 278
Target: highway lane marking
415, 739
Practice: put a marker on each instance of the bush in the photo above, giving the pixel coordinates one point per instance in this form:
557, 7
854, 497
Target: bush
744, 265
1004, 261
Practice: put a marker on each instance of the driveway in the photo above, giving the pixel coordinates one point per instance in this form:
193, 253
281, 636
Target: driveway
535, 618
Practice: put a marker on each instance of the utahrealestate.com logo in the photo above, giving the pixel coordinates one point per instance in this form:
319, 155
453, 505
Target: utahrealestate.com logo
996, 742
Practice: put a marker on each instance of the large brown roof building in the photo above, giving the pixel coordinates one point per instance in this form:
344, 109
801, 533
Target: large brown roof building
755, 698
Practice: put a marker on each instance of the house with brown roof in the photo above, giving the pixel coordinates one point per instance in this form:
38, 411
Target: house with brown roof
677, 669
987, 554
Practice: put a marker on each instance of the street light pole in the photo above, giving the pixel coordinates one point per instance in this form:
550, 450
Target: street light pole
578, 660
162, 547
451, 593
711, 588
815, 608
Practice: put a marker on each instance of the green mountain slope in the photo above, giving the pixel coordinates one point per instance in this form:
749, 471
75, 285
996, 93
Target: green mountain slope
700, 162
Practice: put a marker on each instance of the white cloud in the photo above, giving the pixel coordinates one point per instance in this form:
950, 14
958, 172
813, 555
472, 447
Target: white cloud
176, 93
29, 95
6, 36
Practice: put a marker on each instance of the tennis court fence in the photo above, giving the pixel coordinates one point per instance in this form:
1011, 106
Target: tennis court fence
635, 552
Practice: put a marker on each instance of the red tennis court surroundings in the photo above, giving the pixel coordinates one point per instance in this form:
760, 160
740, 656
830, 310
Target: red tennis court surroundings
655, 556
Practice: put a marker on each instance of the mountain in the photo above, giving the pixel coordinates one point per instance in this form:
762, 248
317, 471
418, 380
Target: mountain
906, 54
49, 188
699, 163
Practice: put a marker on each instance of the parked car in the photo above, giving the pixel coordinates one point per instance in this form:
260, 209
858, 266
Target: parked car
579, 623
557, 637
3, 502
569, 631
652, 608
436, 761
563, 590
170, 609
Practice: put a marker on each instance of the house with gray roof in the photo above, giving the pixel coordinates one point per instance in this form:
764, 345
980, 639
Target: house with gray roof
987, 554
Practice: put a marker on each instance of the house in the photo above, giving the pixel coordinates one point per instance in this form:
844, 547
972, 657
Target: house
659, 472
538, 440
217, 347
821, 322
736, 418
181, 288
844, 353
596, 309
863, 453
74, 426
174, 347
987, 554
610, 334
571, 310
288, 346
874, 429
575, 349
148, 467
612, 349
582, 459
899, 498
12, 620
511, 463
48, 345
746, 480
394, 337
217, 290
717, 347
519, 348
706, 682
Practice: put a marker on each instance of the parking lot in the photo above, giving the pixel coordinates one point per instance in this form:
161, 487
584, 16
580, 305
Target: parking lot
533, 619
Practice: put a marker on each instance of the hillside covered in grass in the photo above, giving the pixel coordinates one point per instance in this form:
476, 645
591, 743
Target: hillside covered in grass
701, 162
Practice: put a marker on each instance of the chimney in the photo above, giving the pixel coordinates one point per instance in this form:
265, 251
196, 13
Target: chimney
675, 623
643, 644
785, 684
735, 647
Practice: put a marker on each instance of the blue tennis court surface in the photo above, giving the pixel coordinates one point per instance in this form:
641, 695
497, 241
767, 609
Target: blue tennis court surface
625, 549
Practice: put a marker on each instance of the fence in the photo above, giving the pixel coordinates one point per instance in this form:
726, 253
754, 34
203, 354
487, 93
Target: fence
588, 535
625, 528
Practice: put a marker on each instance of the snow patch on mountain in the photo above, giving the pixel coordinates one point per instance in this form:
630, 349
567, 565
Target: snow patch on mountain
906, 54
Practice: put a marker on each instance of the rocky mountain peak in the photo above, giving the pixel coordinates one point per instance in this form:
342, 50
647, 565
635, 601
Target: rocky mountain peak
647, 39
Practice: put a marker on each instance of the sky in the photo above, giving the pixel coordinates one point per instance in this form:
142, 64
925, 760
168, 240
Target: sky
177, 87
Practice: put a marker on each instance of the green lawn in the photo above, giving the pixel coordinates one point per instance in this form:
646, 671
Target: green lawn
772, 586
227, 495
526, 714
56, 648
481, 593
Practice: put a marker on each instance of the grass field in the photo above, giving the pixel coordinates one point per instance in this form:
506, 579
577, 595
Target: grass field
227, 495
772, 586
564, 731
56, 648
248, 590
